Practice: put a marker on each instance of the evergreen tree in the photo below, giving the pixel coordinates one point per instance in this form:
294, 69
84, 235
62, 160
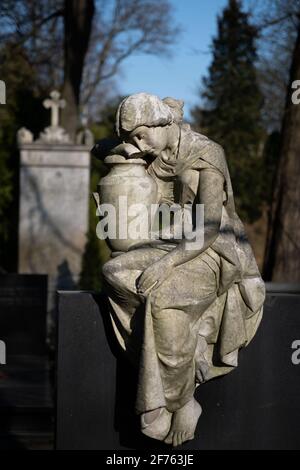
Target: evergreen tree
23, 108
232, 107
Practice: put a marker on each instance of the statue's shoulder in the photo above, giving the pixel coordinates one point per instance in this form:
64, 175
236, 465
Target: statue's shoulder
200, 142
203, 149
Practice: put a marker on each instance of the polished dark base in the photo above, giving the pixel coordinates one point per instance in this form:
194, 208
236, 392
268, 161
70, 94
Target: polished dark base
255, 407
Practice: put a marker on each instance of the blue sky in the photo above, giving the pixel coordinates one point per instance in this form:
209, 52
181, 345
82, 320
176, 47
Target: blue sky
178, 76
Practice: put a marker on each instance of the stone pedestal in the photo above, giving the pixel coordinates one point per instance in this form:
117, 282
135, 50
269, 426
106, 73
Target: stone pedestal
53, 217
254, 407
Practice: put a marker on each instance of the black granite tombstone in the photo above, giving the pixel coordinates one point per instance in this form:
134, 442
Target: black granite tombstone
23, 309
26, 406
255, 407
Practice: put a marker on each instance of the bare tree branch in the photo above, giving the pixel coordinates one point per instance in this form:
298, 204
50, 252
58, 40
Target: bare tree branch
268, 24
134, 26
120, 28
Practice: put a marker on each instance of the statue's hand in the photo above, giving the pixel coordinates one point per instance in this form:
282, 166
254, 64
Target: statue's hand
153, 276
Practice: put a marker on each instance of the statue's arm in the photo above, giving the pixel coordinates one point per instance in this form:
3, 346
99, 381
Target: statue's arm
210, 193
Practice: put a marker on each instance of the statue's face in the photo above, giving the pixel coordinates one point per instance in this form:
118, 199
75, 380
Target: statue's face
152, 140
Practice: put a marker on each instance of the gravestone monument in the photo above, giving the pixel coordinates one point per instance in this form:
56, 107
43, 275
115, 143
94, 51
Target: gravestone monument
23, 307
26, 406
54, 193
254, 407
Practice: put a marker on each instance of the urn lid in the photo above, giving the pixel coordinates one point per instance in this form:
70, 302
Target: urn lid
119, 159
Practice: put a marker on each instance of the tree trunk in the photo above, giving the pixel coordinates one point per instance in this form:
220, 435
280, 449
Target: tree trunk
282, 261
78, 18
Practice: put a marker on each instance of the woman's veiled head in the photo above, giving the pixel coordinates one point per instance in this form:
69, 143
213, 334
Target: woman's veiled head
142, 109
145, 120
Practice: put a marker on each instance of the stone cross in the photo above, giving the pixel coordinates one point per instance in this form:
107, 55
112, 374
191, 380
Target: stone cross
54, 104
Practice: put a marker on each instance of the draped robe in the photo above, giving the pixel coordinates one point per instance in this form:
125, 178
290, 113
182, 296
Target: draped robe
191, 328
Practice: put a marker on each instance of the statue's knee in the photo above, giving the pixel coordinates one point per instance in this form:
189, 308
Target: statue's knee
109, 270
154, 305
157, 303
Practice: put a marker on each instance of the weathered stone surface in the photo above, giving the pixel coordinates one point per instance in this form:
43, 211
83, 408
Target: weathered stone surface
181, 309
54, 195
24, 136
54, 201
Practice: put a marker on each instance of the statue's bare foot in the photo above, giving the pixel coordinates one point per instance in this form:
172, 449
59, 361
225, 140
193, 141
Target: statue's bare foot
156, 423
184, 423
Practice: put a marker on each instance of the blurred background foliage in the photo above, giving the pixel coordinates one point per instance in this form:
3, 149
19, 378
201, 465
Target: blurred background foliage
78, 46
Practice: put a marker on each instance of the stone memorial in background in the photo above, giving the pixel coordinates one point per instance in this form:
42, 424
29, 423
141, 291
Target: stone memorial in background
54, 195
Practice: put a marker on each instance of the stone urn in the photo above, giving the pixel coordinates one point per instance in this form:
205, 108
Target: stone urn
130, 192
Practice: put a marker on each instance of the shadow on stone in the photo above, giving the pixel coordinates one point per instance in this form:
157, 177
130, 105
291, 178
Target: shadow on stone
126, 422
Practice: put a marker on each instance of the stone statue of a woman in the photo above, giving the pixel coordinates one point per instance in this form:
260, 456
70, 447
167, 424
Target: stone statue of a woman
182, 314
